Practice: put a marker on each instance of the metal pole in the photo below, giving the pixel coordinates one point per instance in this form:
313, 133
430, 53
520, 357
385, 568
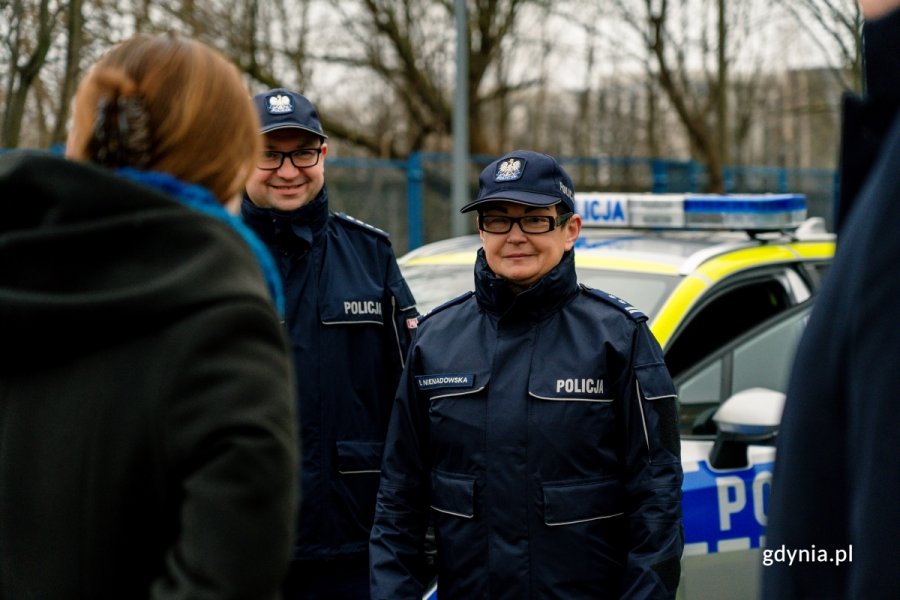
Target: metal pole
414, 178
460, 224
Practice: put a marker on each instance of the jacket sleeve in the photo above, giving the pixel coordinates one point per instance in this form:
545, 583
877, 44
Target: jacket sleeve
652, 474
403, 307
396, 547
229, 438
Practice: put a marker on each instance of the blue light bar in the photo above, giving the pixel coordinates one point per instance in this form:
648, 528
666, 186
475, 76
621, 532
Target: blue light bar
756, 212
746, 204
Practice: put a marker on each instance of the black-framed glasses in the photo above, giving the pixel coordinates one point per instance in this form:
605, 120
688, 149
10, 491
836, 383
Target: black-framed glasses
271, 160
528, 223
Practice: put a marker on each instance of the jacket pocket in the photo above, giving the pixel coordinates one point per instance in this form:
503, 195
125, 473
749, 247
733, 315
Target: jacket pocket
457, 412
453, 494
571, 502
357, 457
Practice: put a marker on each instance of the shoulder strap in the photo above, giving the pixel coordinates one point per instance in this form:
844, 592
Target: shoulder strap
344, 217
616, 302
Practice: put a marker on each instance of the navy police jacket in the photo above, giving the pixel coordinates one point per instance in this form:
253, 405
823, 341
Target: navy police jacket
346, 311
835, 484
538, 433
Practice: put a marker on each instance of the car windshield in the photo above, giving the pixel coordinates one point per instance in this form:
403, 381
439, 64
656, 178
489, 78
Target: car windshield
433, 285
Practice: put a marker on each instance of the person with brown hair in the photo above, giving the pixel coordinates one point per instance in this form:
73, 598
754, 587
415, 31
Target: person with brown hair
148, 439
190, 95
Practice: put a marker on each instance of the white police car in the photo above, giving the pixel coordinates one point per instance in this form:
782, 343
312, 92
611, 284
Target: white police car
727, 283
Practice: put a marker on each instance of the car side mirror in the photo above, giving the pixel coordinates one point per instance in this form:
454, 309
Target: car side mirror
751, 416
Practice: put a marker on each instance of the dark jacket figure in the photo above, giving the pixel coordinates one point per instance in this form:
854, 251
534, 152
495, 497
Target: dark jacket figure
837, 476
147, 442
348, 314
346, 311
537, 428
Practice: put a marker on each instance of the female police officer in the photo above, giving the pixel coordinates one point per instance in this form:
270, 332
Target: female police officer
536, 418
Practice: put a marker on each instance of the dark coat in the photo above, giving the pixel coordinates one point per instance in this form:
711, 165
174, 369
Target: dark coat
347, 307
837, 476
541, 431
147, 438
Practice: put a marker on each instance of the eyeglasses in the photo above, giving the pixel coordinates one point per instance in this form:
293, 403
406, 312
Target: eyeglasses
528, 223
271, 160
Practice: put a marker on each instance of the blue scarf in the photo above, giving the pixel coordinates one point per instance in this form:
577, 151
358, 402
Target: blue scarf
202, 200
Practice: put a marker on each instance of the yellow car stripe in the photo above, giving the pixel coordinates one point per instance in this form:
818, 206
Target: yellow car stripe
813, 250
672, 312
676, 306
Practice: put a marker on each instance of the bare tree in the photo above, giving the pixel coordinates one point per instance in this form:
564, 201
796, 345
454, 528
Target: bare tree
631, 68
29, 36
75, 42
267, 39
834, 24
408, 46
692, 45
693, 103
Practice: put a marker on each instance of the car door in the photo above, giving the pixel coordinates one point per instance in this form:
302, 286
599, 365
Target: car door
732, 307
725, 509
760, 357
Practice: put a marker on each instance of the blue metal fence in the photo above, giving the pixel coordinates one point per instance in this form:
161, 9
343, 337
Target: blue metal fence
427, 181
411, 198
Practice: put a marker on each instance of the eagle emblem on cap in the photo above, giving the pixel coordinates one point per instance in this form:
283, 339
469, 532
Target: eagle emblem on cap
509, 170
279, 104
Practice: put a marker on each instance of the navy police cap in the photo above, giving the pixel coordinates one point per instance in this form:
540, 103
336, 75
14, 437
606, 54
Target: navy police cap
525, 177
283, 109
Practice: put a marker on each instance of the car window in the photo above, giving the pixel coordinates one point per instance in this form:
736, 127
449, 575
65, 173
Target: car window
760, 358
725, 316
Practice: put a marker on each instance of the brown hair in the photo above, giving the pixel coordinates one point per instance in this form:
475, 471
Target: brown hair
168, 103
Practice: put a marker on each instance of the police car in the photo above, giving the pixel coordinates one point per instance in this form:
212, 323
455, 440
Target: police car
727, 283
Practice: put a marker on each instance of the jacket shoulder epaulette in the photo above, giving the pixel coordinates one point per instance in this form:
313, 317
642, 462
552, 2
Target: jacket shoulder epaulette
345, 218
440, 307
615, 301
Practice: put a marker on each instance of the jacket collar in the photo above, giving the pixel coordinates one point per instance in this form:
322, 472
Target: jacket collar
292, 231
544, 297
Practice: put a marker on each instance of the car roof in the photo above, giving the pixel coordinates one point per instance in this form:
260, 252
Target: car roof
695, 259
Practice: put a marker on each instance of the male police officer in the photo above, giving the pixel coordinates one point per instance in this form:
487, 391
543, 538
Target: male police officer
536, 419
348, 312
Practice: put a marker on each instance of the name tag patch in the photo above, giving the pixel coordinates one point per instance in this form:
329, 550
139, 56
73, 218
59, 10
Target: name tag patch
448, 380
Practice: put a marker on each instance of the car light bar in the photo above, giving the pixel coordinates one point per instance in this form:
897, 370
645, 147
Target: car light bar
756, 212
